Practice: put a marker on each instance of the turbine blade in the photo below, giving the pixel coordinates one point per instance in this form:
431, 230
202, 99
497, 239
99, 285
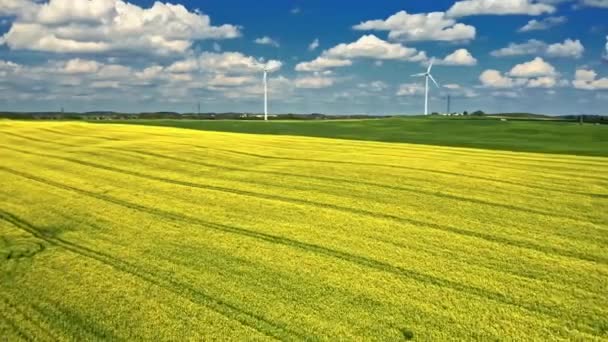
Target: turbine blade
432, 79
260, 66
430, 65
273, 69
419, 75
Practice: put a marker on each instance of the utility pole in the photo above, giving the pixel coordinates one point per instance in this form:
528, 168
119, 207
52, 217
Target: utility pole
449, 98
199, 108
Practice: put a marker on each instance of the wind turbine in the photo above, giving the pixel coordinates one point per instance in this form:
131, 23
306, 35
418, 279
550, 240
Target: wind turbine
266, 68
427, 75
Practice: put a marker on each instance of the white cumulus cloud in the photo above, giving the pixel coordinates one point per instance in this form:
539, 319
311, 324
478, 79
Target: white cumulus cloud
314, 45
315, 81
533, 74
543, 24
98, 26
367, 47
459, 57
595, 3
370, 46
266, 41
410, 89
534, 68
23, 8
586, 79
80, 66
542, 82
495, 79
322, 63
433, 26
499, 7
567, 49
222, 63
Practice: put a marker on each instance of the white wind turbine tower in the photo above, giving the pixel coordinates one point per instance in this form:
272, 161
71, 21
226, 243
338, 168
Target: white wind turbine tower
427, 75
267, 68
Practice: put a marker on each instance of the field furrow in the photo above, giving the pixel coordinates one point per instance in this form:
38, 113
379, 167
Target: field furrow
115, 232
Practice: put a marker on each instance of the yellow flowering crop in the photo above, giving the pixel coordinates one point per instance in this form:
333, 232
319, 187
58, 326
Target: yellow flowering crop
149, 233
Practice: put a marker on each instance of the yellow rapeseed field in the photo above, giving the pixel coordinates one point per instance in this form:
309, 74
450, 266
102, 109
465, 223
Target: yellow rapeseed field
131, 232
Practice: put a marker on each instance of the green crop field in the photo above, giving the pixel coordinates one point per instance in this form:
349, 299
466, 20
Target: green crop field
127, 232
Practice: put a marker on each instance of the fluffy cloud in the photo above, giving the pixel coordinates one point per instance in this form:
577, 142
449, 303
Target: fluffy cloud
543, 24
222, 80
499, 7
587, 80
530, 47
410, 89
314, 45
460, 91
8, 67
534, 68
375, 86
372, 47
97, 26
322, 63
266, 41
420, 27
17, 7
458, 57
278, 87
568, 49
494, 79
184, 66
533, 74
368, 46
508, 94
315, 81
595, 3
228, 62
79, 66
220, 75
542, 82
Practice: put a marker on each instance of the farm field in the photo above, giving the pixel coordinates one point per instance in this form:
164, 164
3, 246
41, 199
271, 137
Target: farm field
130, 232
486, 133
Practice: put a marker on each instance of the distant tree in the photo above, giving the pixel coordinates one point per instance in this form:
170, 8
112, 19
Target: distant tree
465, 113
478, 113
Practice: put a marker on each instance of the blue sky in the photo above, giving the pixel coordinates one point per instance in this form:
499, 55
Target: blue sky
544, 56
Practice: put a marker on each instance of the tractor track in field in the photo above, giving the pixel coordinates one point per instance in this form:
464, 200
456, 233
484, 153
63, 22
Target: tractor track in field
400, 188
19, 331
25, 137
225, 309
480, 153
391, 166
339, 162
29, 317
411, 190
50, 130
513, 245
427, 155
362, 212
312, 248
